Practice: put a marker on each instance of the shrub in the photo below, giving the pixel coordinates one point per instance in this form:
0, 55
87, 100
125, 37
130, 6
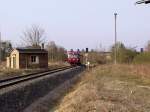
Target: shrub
124, 55
142, 58
96, 57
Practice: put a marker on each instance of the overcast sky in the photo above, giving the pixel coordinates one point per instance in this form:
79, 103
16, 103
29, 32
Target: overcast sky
77, 23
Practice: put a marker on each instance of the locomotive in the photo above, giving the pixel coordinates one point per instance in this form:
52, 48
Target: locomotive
73, 57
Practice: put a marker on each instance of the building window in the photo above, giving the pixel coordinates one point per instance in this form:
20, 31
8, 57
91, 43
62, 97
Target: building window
34, 59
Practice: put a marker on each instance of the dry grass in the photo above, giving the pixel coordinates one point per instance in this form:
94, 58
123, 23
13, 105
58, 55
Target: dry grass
6, 72
109, 88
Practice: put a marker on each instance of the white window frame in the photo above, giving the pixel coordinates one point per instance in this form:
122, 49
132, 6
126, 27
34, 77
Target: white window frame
36, 60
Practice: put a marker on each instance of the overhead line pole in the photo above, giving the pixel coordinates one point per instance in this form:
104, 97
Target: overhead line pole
0, 49
115, 60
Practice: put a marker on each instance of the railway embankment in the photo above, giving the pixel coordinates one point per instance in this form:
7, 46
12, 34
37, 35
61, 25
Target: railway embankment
110, 88
18, 97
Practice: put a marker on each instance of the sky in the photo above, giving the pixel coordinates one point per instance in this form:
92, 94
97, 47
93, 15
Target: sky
77, 23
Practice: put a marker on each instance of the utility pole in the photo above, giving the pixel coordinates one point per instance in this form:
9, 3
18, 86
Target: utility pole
0, 49
115, 60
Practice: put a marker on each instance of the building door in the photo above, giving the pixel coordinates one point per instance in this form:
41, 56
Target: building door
14, 62
9, 62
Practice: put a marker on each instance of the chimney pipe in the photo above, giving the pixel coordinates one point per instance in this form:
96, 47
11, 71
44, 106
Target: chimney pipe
42, 45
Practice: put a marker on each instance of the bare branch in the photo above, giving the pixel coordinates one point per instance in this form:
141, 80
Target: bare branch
33, 36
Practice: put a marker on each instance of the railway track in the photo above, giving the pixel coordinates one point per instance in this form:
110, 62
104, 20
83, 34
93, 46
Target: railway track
19, 79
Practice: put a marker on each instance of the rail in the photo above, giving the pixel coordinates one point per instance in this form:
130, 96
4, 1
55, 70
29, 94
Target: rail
19, 79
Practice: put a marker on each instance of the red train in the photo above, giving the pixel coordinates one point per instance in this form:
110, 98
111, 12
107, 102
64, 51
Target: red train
73, 57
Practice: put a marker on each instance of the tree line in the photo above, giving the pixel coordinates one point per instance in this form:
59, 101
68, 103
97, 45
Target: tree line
130, 55
35, 37
124, 54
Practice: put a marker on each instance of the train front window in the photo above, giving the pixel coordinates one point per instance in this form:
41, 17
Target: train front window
75, 56
70, 56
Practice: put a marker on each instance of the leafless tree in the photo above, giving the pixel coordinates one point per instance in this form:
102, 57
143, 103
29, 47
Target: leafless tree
55, 52
33, 36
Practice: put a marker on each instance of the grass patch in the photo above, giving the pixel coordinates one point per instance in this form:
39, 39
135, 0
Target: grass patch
110, 88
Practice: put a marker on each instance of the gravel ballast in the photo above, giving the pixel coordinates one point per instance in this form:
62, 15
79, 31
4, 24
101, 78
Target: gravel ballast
16, 98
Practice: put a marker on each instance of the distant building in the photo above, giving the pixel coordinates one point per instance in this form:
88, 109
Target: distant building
26, 58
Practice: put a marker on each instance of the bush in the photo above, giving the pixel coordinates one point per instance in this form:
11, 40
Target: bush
96, 57
142, 58
124, 55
